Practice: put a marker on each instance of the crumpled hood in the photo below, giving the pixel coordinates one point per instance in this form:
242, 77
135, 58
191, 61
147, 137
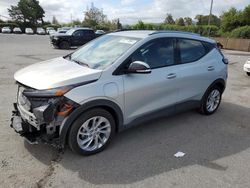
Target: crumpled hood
55, 73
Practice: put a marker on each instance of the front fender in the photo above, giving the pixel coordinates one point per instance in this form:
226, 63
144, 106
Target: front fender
115, 109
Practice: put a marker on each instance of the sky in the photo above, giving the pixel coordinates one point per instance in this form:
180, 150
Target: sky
129, 11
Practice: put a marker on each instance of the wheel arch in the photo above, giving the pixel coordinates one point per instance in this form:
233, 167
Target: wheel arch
220, 83
110, 106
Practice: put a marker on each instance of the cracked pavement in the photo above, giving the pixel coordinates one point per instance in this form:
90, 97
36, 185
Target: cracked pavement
217, 147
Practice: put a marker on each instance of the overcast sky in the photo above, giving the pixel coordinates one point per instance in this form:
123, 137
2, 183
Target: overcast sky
130, 11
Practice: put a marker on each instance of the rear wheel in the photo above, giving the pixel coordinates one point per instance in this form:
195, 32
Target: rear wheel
211, 100
92, 132
64, 45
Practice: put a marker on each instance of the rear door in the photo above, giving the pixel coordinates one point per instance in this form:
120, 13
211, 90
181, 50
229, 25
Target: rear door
197, 69
144, 93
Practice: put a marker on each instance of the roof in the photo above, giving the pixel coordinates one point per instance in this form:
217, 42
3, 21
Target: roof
167, 33
133, 33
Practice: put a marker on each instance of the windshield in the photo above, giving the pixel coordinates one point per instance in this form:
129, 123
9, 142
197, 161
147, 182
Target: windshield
70, 32
100, 53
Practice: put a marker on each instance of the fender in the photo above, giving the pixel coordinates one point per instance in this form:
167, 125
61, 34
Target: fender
220, 82
115, 109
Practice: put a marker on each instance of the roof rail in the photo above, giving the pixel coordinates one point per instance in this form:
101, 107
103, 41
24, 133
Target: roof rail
173, 31
118, 30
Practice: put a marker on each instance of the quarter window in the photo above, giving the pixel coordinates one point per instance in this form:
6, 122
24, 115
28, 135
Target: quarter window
191, 50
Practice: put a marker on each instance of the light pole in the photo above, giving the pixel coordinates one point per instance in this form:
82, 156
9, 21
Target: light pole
209, 18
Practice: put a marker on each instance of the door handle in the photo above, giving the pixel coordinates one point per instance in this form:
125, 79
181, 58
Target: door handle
171, 76
210, 68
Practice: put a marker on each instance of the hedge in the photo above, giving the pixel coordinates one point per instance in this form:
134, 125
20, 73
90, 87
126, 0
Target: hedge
241, 32
11, 25
200, 29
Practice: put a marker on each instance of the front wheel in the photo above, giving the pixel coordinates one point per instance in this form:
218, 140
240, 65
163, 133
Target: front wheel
91, 132
211, 101
248, 73
64, 45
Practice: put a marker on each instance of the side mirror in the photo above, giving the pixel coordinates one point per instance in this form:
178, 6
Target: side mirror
138, 67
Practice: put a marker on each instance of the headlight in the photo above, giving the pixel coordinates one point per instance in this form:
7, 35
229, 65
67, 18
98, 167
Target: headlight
55, 38
56, 92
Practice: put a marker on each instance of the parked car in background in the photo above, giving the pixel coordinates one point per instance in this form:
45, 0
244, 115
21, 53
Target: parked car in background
99, 32
29, 31
83, 99
73, 37
52, 31
17, 30
40, 31
48, 29
247, 67
63, 29
6, 30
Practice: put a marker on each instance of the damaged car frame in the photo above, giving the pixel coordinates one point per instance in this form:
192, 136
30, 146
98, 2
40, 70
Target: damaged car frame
116, 81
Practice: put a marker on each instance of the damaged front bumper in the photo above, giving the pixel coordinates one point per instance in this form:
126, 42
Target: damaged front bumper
40, 119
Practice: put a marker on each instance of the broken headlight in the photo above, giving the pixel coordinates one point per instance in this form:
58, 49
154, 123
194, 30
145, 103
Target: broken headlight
56, 92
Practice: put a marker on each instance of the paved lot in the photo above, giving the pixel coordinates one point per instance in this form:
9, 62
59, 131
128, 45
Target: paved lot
217, 147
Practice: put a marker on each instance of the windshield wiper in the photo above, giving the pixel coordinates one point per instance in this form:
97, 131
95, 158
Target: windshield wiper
80, 62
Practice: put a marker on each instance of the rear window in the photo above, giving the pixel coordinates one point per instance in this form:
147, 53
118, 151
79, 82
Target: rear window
191, 50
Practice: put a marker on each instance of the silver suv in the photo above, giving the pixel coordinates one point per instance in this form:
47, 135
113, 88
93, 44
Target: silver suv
115, 81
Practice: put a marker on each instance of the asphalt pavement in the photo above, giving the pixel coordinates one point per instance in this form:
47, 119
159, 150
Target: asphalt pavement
216, 147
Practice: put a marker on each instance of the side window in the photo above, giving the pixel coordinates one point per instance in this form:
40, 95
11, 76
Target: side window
191, 50
156, 53
78, 33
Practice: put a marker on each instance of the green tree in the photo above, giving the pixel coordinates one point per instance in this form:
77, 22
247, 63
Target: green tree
231, 19
93, 17
245, 16
180, 22
203, 20
188, 21
54, 21
169, 19
27, 11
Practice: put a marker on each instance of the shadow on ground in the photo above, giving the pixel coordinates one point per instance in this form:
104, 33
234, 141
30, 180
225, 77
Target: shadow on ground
147, 150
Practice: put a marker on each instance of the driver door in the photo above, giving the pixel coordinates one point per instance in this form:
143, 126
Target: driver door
145, 93
78, 38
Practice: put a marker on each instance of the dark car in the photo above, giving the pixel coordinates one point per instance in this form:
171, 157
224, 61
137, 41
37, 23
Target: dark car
73, 37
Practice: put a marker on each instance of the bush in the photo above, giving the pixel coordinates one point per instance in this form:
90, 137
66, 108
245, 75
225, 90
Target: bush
11, 25
200, 29
241, 32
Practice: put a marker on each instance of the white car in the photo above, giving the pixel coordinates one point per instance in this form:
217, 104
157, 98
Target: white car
6, 30
100, 32
247, 67
40, 31
17, 30
29, 31
48, 29
52, 31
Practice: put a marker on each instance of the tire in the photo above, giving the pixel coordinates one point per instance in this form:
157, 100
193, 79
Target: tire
64, 45
208, 108
83, 133
248, 73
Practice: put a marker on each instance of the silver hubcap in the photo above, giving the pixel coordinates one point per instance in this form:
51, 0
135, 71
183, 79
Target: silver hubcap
93, 133
213, 100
